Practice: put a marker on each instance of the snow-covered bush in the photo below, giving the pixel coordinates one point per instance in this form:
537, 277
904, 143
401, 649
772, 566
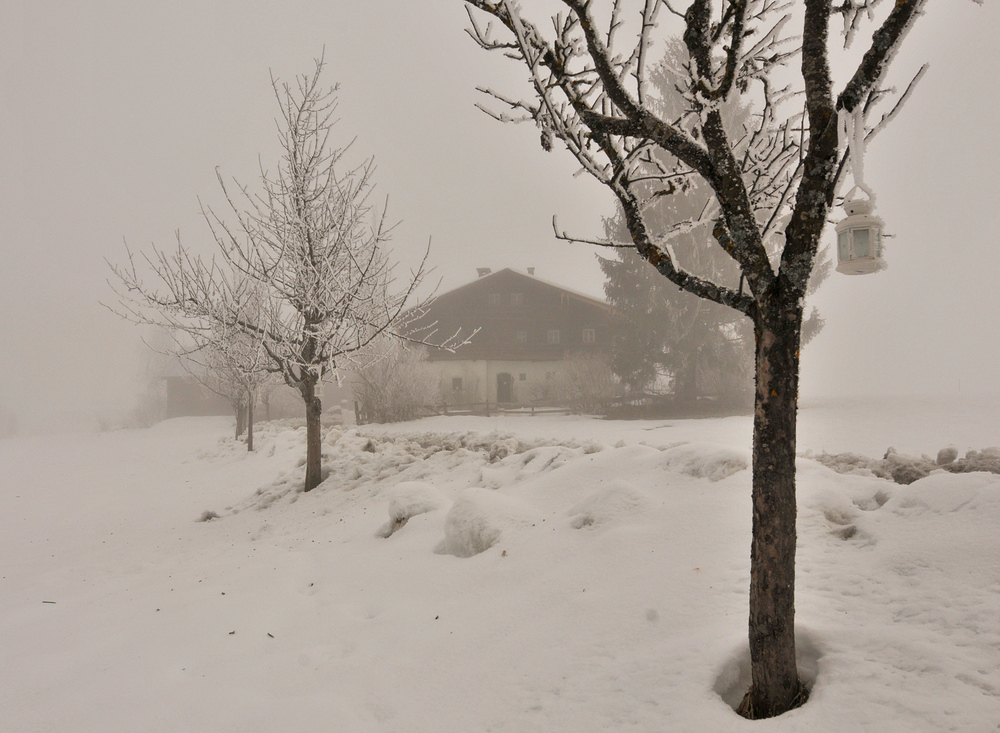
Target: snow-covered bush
588, 383
393, 383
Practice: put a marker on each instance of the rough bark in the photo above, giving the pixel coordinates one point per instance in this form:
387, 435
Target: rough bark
314, 458
772, 554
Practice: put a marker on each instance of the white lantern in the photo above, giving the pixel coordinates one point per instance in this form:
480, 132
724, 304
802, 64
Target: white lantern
859, 240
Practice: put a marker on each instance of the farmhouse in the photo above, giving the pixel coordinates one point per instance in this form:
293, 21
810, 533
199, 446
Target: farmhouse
533, 336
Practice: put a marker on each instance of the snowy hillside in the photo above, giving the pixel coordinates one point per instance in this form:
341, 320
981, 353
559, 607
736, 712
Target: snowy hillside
503, 574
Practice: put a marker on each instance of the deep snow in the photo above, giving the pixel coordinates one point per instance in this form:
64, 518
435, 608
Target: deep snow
502, 574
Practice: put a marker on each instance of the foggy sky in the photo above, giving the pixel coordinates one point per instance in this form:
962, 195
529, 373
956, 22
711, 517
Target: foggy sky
114, 116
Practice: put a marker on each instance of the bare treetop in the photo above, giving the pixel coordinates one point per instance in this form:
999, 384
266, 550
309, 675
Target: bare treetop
591, 75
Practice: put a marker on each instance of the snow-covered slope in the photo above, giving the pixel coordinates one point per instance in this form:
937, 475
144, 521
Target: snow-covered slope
510, 574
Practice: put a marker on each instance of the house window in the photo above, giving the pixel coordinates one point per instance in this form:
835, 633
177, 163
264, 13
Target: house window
494, 298
522, 337
521, 377
517, 298
456, 384
588, 335
554, 337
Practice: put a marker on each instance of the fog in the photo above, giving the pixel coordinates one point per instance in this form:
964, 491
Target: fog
115, 115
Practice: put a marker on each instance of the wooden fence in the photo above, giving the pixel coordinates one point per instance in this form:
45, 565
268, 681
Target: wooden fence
486, 409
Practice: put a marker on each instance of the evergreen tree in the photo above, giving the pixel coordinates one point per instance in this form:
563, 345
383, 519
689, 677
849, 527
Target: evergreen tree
661, 331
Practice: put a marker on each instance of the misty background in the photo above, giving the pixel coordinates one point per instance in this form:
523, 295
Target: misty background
115, 115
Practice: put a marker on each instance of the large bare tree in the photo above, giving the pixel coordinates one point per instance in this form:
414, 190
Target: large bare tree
776, 175
302, 271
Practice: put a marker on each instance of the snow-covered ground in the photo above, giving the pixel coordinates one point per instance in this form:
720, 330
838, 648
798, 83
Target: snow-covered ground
503, 574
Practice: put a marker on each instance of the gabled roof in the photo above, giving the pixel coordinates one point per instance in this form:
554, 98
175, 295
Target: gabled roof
508, 273
543, 323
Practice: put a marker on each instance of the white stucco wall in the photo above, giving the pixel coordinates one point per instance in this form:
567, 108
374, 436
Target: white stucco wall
479, 379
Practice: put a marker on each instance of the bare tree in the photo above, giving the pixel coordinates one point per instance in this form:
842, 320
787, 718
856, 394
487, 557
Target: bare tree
311, 246
775, 176
587, 383
392, 382
234, 365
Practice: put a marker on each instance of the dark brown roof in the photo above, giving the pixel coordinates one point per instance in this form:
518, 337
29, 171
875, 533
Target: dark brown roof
516, 315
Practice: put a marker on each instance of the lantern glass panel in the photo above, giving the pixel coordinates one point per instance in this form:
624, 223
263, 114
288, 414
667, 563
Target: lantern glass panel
862, 243
843, 253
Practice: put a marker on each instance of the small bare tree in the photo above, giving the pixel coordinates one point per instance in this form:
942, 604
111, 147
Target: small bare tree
310, 247
392, 382
234, 365
775, 175
587, 383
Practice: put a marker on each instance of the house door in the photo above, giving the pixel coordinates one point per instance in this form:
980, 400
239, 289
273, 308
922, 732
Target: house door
505, 387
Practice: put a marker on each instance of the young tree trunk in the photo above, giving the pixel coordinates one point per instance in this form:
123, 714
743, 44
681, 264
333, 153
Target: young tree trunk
687, 379
250, 399
241, 418
314, 410
775, 682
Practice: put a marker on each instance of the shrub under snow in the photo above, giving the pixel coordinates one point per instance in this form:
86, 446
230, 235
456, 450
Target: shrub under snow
479, 518
408, 499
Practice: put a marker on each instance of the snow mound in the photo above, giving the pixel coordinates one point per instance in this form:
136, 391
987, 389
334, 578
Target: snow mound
707, 460
977, 494
842, 509
987, 460
545, 458
847, 463
479, 518
620, 499
503, 448
349, 440
905, 469
408, 499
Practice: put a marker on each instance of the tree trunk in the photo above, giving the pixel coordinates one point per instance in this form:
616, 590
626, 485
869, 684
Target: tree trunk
241, 418
775, 685
687, 380
314, 458
250, 400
